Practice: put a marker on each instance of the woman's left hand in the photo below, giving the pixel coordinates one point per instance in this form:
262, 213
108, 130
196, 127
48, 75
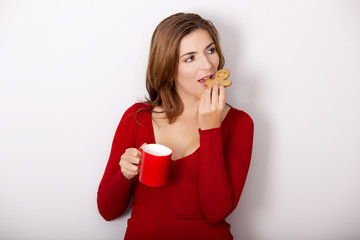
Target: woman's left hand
211, 107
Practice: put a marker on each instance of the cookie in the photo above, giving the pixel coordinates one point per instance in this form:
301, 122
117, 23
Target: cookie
221, 77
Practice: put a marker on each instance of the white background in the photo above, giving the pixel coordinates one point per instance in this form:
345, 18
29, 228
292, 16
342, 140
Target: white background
69, 69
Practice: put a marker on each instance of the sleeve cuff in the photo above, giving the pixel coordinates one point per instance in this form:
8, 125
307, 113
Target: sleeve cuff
210, 131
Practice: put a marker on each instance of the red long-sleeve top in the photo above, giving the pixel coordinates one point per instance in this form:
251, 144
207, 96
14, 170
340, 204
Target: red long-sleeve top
202, 190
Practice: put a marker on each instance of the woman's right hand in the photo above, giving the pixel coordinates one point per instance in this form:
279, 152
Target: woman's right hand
129, 163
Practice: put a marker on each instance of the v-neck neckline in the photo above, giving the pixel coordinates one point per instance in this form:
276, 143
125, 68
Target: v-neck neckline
152, 134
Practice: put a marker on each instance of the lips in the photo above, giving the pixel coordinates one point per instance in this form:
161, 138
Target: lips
203, 80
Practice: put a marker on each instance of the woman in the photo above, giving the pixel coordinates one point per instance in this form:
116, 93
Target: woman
211, 142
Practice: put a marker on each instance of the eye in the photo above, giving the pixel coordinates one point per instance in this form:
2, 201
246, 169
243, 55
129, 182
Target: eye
211, 50
190, 59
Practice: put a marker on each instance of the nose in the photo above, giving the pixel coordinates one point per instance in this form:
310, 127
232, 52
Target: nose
206, 63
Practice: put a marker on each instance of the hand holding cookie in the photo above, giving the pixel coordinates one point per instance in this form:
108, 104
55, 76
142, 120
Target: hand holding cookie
211, 107
212, 102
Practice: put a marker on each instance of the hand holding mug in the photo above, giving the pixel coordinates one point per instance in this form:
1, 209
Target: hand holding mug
129, 163
151, 161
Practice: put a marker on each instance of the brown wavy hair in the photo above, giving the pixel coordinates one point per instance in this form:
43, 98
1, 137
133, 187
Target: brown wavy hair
164, 60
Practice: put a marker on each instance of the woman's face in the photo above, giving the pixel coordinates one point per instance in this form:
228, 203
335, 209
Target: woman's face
198, 61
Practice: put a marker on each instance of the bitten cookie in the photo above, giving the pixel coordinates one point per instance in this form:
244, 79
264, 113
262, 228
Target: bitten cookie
221, 77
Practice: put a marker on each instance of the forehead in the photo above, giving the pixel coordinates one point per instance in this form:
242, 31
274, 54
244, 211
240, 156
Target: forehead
197, 40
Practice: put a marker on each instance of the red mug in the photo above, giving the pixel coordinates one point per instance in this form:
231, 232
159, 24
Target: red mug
154, 165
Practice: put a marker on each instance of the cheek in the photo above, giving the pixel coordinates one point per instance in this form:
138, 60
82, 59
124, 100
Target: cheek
216, 60
185, 71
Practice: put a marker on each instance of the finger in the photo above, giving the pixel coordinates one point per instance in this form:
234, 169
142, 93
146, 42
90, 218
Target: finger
134, 160
130, 167
222, 96
128, 173
133, 152
215, 94
207, 100
130, 159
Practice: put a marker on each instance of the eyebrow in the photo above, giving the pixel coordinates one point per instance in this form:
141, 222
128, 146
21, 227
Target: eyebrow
191, 53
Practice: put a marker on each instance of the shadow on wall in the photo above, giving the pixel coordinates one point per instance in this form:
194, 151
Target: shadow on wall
243, 94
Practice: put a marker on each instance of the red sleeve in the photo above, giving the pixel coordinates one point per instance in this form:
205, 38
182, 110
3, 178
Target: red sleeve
223, 170
114, 189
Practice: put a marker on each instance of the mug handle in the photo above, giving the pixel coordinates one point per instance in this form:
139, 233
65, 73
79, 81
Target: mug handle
140, 149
